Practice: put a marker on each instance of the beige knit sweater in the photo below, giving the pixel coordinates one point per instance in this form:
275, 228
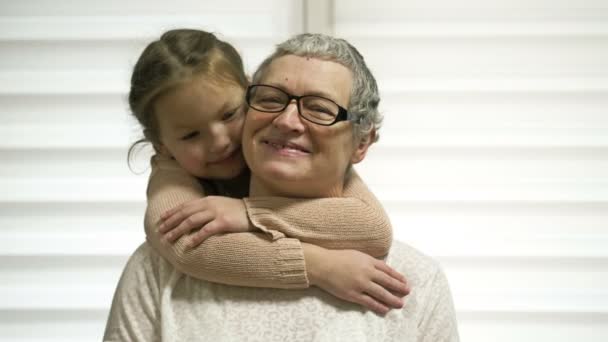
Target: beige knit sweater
273, 256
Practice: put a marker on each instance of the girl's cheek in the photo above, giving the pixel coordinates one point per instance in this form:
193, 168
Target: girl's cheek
192, 154
239, 124
236, 130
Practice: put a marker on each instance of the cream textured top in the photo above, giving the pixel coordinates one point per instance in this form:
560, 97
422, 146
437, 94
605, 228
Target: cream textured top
156, 302
273, 256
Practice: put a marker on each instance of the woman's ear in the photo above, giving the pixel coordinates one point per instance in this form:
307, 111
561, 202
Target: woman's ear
362, 147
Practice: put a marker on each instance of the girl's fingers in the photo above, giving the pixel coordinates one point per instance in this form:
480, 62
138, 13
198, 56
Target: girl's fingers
172, 221
170, 212
203, 234
390, 283
383, 296
178, 216
197, 220
382, 266
176, 209
372, 304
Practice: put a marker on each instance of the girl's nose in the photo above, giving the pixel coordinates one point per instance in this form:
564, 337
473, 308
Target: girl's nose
220, 139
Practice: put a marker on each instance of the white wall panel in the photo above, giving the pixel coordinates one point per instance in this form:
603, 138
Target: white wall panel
493, 156
71, 211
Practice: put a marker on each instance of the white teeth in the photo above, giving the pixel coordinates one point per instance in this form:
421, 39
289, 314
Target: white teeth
281, 146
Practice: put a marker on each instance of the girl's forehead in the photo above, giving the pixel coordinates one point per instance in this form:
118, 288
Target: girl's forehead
194, 101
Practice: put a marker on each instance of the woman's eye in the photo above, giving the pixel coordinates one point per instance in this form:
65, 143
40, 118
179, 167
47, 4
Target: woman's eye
269, 99
321, 109
190, 135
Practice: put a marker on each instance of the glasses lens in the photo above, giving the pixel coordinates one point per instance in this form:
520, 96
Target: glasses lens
269, 99
320, 110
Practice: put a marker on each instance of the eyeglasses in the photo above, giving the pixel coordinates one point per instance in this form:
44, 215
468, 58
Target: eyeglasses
316, 109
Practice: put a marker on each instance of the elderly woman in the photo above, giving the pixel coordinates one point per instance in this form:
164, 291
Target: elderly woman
300, 139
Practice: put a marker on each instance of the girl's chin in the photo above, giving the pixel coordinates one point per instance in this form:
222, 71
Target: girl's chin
228, 171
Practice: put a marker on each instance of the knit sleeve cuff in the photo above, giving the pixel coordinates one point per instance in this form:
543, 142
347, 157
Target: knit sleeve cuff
291, 264
259, 211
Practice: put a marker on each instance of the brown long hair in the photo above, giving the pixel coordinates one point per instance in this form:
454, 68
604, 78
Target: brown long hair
177, 57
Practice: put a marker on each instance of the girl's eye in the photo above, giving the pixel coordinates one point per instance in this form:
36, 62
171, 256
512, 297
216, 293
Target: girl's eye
190, 135
228, 115
231, 114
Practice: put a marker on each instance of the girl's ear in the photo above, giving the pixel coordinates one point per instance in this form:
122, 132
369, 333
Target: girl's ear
158, 146
162, 150
361, 150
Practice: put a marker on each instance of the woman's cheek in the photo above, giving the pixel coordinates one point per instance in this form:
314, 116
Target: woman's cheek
256, 121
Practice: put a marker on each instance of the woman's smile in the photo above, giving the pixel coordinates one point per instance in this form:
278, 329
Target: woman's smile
285, 148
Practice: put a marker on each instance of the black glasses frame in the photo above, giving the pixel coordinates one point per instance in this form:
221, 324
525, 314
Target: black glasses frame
342, 115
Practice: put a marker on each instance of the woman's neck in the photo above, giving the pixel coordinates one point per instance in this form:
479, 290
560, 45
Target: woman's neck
258, 188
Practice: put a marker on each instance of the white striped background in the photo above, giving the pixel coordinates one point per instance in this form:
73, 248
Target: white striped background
493, 157
494, 154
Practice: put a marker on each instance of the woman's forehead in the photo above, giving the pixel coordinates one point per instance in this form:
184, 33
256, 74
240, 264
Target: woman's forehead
310, 75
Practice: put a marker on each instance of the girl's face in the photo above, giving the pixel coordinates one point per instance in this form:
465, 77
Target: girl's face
200, 126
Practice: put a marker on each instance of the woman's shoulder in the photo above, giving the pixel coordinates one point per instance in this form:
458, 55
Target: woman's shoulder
147, 269
417, 266
144, 256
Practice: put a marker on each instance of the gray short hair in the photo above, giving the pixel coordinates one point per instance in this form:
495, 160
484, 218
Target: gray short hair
364, 95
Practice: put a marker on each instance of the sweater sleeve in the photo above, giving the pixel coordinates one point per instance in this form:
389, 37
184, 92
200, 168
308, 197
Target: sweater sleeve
355, 221
245, 259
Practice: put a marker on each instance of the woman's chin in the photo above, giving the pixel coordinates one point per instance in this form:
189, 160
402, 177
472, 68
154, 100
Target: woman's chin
282, 172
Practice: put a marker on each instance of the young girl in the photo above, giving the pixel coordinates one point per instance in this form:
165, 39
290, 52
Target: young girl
187, 92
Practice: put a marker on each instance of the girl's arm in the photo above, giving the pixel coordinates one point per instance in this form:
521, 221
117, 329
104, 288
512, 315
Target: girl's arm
245, 259
354, 221
356, 277
254, 259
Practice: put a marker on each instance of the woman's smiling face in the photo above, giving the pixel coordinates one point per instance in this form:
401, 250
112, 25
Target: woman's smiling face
200, 125
290, 156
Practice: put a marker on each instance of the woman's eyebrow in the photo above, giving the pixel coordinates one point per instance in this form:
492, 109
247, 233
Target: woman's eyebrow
308, 93
322, 94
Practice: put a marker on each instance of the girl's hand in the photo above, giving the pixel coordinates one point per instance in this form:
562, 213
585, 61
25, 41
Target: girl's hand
356, 277
210, 215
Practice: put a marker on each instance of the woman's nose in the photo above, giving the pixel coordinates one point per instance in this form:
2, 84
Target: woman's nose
289, 119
